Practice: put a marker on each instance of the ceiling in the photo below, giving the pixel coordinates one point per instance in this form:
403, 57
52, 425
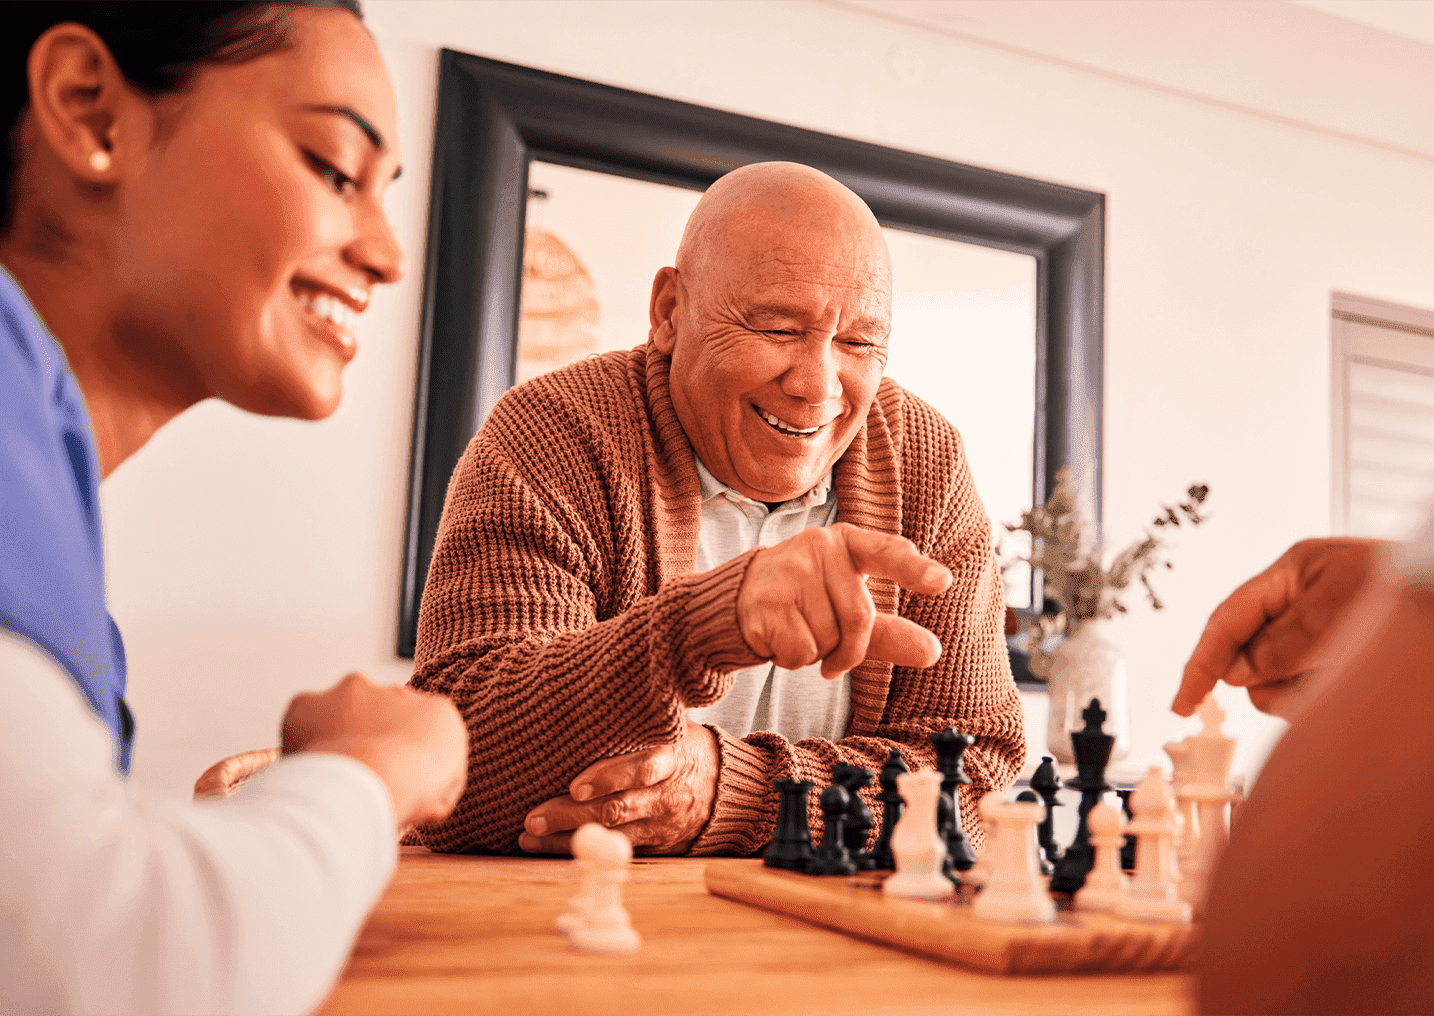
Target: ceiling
1413, 19
1358, 70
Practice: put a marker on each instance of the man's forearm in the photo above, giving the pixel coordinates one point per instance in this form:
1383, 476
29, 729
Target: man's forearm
542, 708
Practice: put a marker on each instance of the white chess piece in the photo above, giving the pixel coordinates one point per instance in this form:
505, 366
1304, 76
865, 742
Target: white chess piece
1106, 883
1210, 754
1188, 841
916, 844
1154, 892
1015, 890
584, 901
595, 920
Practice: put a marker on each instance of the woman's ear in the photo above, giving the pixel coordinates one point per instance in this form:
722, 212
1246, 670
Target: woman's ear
78, 101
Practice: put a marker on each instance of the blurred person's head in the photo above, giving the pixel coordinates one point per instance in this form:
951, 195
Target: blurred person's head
776, 317
192, 195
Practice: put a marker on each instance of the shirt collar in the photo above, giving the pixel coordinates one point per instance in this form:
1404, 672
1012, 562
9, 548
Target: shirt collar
713, 487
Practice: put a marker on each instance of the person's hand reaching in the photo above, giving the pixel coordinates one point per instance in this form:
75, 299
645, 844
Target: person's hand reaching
1267, 635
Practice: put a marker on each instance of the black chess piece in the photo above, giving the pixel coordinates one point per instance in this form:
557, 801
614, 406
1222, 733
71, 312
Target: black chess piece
792, 841
1047, 868
1092, 752
859, 820
892, 806
831, 856
960, 856
1045, 782
1127, 848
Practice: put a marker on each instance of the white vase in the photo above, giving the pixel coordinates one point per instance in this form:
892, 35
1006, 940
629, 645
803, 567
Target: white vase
1087, 665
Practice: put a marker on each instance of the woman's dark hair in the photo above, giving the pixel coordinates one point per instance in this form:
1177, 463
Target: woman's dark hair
158, 46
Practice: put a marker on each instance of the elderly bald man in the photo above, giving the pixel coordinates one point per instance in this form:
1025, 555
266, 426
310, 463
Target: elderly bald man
667, 577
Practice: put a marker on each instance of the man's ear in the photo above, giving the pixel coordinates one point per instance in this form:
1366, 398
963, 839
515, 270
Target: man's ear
78, 96
662, 310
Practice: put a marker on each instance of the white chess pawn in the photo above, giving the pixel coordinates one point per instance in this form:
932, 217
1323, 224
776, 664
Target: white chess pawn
915, 843
1210, 754
585, 899
1154, 892
1106, 883
1015, 890
1188, 842
595, 920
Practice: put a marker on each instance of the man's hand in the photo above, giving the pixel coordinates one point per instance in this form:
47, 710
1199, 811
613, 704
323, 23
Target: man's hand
417, 743
659, 798
806, 600
1266, 636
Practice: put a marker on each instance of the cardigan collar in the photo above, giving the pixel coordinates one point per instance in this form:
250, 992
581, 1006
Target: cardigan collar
867, 479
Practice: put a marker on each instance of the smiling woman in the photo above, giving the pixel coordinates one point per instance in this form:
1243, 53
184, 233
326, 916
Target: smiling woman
238, 239
191, 209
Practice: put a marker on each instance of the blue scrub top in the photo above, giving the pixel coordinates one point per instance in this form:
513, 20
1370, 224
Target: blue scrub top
52, 564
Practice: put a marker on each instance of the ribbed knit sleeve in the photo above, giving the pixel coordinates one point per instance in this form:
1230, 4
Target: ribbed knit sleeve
543, 617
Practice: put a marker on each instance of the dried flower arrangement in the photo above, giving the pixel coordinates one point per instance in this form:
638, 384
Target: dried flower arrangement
1075, 579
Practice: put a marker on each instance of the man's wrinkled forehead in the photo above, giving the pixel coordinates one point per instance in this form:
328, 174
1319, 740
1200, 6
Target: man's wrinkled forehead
818, 267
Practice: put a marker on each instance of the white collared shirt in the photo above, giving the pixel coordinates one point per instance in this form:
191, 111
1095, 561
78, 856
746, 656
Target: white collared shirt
794, 703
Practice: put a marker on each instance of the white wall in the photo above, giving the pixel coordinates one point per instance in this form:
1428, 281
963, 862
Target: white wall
252, 558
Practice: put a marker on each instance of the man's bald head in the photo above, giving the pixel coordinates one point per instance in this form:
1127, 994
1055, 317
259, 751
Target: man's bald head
776, 319
782, 210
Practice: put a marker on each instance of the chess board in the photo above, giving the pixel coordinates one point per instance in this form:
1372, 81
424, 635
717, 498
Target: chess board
1077, 943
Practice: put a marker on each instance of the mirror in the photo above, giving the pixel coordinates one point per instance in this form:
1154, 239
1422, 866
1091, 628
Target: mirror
963, 316
975, 252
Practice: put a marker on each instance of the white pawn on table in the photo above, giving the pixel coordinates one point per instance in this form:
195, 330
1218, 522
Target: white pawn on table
1106, 885
595, 920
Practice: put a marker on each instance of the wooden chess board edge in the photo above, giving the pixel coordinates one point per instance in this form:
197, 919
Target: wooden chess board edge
941, 931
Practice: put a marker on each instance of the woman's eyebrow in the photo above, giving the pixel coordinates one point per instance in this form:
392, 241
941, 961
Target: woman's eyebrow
358, 119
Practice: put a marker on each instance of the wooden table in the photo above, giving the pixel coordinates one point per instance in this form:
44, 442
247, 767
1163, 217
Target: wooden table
475, 935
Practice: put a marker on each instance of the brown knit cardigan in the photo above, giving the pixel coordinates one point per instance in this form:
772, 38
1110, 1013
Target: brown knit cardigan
563, 617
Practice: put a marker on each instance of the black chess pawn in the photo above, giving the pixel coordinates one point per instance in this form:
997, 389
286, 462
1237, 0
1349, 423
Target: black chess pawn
960, 856
831, 856
1047, 868
1092, 752
892, 806
859, 820
1127, 848
792, 840
1045, 782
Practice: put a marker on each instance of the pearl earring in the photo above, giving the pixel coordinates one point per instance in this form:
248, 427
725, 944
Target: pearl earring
100, 160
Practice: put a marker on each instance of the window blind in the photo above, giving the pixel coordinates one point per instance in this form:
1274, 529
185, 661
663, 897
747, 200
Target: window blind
1384, 425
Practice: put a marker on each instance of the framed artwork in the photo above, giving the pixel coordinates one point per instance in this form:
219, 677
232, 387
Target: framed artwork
499, 125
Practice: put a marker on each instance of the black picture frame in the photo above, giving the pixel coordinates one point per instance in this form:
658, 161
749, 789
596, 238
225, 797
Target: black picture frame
494, 118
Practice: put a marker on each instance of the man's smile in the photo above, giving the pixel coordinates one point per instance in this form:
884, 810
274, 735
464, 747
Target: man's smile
783, 427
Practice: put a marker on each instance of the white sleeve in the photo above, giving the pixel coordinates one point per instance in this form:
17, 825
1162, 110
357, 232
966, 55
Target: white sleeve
112, 901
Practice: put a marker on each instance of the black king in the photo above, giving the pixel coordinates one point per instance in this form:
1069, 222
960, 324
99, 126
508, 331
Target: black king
1092, 753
